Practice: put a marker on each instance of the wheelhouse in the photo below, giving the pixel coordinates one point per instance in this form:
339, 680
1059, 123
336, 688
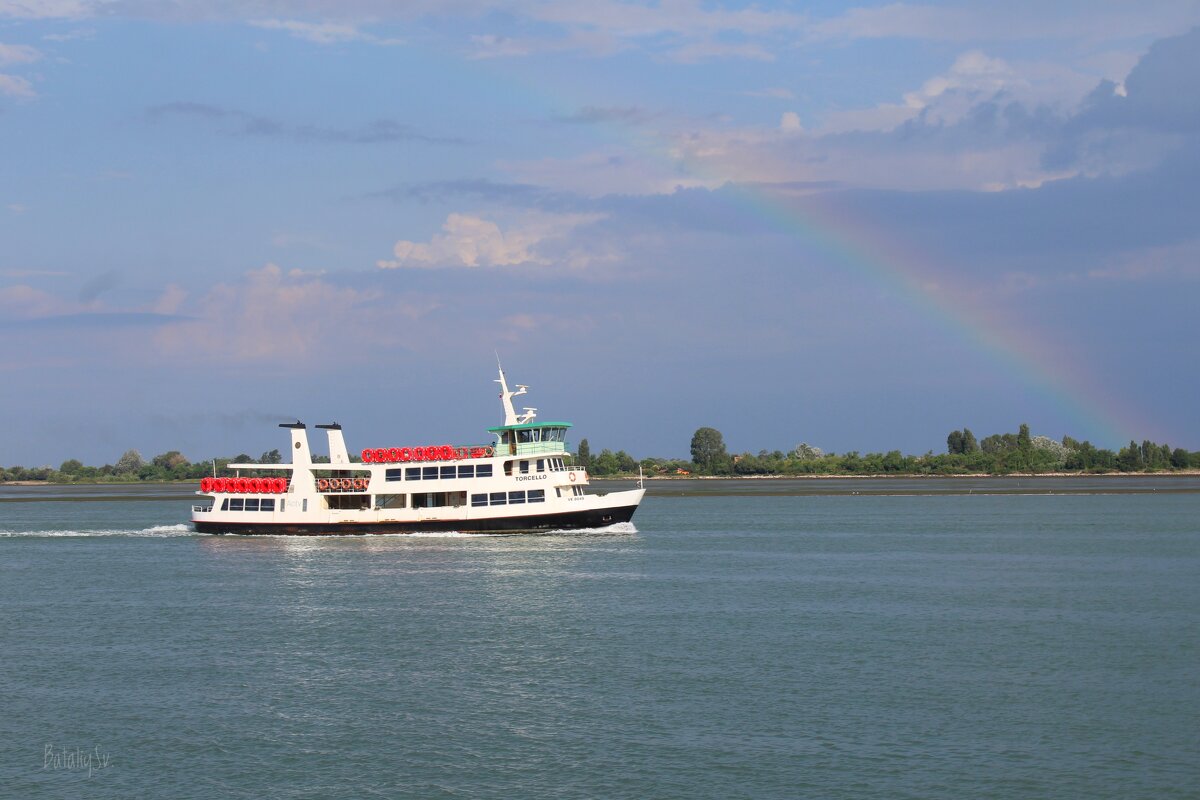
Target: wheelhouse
531, 438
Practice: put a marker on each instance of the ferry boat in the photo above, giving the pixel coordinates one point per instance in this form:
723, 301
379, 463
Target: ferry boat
520, 482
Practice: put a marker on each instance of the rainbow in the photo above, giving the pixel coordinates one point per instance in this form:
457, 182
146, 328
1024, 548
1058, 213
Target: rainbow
1092, 406
1033, 360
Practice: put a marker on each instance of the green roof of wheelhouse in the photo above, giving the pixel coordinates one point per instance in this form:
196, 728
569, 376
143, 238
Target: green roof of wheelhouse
527, 426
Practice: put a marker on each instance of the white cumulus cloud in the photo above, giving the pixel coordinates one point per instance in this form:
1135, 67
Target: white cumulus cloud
18, 54
472, 241
16, 86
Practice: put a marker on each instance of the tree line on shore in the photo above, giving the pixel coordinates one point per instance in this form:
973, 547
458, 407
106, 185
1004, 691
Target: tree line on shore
132, 468
998, 454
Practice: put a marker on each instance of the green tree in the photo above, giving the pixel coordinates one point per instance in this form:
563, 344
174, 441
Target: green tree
708, 451
1130, 458
1024, 440
605, 464
969, 445
271, 457
129, 462
72, 466
625, 462
172, 459
954, 442
806, 452
585, 453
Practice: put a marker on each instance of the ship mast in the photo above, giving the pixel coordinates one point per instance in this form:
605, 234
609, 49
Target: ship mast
506, 396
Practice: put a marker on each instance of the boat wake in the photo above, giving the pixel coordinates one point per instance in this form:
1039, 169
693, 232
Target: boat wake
617, 528
161, 531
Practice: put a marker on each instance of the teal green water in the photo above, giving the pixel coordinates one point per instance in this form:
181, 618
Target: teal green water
769, 646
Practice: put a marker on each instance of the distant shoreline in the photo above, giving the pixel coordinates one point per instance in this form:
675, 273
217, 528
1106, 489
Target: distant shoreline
1182, 473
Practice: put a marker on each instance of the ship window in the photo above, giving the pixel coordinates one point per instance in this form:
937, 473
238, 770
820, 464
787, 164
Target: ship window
483, 471
508, 465
391, 500
429, 473
236, 504
395, 474
498, 498
537, 495
439, 499
466, 470
266, 504
578, 491
448, 472
524, 436
479, 499
225, 504
541, 465
282, 503
304, 505
252, 504
515, 498
524, 467
412, 474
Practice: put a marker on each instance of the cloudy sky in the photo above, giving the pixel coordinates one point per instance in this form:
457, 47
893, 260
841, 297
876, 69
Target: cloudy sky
855, 225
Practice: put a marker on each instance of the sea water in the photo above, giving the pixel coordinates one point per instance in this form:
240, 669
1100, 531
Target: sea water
844, 646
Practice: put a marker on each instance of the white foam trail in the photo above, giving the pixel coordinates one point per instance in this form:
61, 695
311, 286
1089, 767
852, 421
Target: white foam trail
616, 527
162, 531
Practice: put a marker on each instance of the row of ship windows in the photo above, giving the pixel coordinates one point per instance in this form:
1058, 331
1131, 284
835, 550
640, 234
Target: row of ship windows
509, 498
443, 473
250, 504
451, 471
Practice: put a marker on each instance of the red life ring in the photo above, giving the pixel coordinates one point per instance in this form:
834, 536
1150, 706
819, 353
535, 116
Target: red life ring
379, 455
393, 455
322, 485
204, 484
405, 454
218, 484
446, 452
572, 476
239, 485
488, 452
360, 483
367, 456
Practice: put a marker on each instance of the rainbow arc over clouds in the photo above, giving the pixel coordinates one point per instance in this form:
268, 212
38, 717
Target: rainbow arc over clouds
895, 266
1093, 409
